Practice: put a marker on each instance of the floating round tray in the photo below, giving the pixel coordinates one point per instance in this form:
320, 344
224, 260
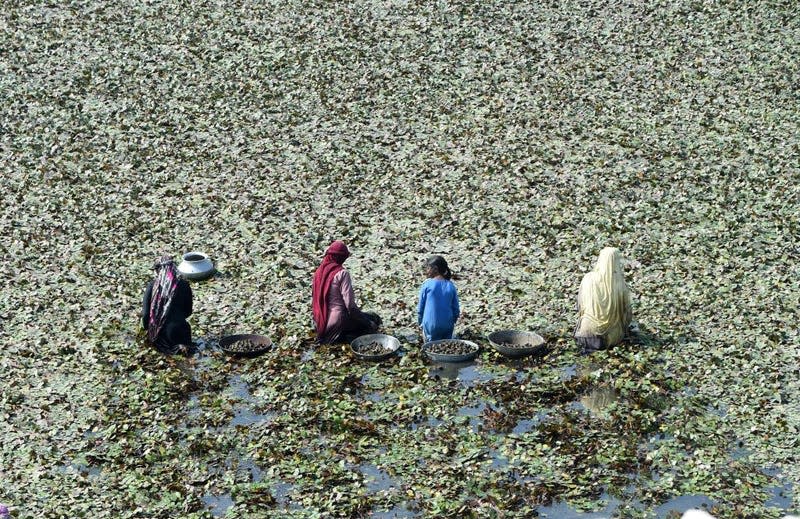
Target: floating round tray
390, 346
245, 345
512, 343
450, 357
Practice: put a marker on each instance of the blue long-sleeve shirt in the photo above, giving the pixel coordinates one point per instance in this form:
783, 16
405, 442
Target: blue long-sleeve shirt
438, 308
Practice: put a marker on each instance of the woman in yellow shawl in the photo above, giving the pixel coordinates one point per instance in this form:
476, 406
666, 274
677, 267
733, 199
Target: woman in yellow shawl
604, 304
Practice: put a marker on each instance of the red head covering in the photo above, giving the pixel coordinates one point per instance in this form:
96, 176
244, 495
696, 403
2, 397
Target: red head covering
330, 266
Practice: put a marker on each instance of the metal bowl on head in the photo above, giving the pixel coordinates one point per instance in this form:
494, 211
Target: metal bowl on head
464, 350
245, 344
512, 343
375, 346
196, 266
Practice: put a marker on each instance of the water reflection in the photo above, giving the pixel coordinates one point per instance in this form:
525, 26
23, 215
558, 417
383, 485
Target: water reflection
80, 468
780, 494
464, 372
239, 388
281, 492
597, 400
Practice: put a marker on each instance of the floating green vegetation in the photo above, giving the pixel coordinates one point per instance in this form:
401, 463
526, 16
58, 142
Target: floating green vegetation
517, 139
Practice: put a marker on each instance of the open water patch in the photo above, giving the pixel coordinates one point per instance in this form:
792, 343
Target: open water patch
400, 511
682, 503
377, 479
528, 424
567, 372
464, 372
217, 505
429, 421
781, 493
244, 416
473, 414
563, 510
80, 469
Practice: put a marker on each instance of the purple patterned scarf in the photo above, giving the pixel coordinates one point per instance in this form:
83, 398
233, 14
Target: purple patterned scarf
164, 285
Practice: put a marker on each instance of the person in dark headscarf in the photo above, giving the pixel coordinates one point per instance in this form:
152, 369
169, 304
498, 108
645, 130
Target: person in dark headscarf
335, 312
167, 303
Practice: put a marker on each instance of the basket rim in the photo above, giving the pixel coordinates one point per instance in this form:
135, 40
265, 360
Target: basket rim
510, 351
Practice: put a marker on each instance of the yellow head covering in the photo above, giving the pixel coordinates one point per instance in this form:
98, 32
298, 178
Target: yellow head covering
604, 298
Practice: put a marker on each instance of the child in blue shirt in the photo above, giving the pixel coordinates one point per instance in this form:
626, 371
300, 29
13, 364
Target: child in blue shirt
438, 301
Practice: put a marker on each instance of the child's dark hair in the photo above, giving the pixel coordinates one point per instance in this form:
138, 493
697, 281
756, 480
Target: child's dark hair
439, 264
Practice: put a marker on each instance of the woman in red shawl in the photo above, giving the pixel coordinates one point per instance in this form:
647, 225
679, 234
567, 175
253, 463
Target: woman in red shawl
336, 315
